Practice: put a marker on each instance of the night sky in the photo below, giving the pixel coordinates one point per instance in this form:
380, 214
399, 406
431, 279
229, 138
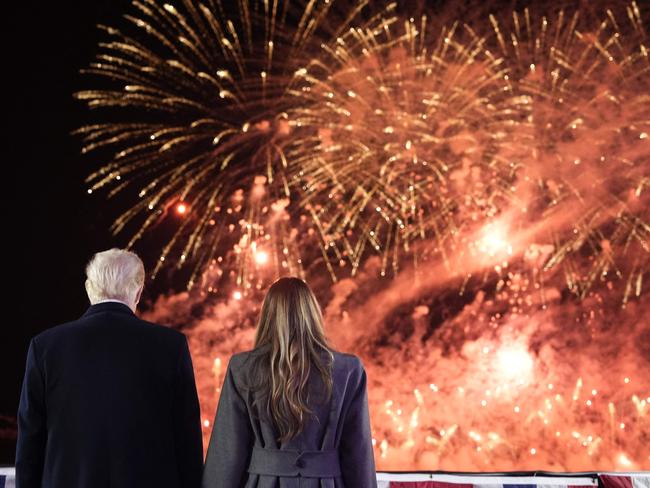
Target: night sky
52, 226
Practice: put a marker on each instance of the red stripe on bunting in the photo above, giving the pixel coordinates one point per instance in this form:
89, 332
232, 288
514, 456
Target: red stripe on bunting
616, 481
428, 484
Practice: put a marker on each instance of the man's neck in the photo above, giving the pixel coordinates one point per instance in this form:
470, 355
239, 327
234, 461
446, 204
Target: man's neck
115, 300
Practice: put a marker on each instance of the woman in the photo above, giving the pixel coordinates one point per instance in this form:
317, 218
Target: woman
292, 412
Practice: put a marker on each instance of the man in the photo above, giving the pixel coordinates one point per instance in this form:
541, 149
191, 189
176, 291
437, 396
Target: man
109, 400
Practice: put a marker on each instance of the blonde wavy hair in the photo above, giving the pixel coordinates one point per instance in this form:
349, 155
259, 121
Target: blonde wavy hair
291, 326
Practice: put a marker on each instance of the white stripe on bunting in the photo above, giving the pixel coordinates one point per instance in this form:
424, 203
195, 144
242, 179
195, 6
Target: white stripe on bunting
489, 480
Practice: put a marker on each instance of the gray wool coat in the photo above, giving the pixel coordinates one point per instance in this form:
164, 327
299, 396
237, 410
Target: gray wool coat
334, 450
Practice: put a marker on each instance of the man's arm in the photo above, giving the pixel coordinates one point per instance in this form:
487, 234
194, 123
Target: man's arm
32, 427
187, 423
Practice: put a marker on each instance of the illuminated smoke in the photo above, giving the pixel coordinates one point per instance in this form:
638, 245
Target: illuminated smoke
463, 382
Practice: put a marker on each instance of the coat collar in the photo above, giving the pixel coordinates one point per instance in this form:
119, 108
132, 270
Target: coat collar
108, 307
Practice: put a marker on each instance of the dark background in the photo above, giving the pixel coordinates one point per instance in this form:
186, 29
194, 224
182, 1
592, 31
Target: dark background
51, 225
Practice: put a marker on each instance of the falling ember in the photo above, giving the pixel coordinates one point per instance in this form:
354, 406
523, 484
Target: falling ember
181, 209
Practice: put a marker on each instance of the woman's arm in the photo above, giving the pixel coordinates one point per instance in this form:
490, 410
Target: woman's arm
231, 442
356, 453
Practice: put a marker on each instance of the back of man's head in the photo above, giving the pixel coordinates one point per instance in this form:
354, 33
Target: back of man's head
115, 274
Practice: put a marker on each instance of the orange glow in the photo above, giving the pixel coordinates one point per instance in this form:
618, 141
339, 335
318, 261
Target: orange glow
261, 257
514, 362
494, 240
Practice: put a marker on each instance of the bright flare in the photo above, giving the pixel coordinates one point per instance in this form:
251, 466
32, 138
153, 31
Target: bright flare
261, 257
515, 362
494, 241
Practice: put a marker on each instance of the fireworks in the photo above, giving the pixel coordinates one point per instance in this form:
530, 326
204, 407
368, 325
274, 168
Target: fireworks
202, 93
499, 163
410, 123
586, 170
363, 132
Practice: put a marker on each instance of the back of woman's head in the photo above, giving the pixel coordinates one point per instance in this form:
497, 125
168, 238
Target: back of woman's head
291, 326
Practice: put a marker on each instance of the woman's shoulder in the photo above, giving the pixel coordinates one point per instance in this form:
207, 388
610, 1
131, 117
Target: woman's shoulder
243, 361
348, 372
346, 361
241, 368
240, 359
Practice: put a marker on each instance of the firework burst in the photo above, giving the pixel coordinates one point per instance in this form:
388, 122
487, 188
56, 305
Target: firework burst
409, 121
585, 166
277, 133
202, 94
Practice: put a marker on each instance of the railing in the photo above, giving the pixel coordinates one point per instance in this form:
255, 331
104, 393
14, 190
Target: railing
593, 479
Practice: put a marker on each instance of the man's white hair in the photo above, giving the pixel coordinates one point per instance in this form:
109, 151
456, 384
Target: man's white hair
114, 274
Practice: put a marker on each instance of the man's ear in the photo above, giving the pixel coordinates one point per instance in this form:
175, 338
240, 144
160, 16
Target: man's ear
138, 295
88, 287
